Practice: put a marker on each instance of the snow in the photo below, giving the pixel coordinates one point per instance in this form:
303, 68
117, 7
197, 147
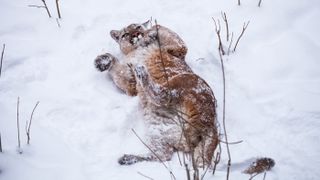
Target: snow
83, 122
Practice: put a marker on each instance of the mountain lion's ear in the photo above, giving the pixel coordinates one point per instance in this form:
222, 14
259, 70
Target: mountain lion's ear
147, 24
115, 35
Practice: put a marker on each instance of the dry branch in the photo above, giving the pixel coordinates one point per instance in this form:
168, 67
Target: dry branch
187, 171
252, 176
230, 44
58, 9
224, 17
0, 143
18, 128
264, 175
217, 159
245, 25
259, 4
144, 175
205, 172
44, 6
29, 124
36, 6
232, 143
162, 62
154, 153
239, 3
218, 29
224, 99
3, 48
58, 23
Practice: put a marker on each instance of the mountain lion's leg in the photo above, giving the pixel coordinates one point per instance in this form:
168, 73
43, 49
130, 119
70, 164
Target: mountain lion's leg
120, 73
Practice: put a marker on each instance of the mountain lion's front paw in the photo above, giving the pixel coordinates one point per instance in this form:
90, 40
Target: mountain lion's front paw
104, 62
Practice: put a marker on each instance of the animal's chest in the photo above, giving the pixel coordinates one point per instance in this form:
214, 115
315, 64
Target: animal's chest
160, 66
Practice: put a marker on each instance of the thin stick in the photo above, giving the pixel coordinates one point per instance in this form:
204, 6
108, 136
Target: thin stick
187, 171
205, 172
231, 41
144, 175
218, 28
259, 3
58, 9
57, 20
265, 174
217, 159
3, 48
224, 17
162, 62
36, 6
171, 174
29, 125
18, 127
252, 176
232, 143
179, 154
46, 7
0, 143
224, 103
239, 3
224, 115
243, 29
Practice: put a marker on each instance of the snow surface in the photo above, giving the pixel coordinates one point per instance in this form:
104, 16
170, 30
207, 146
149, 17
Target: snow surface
83, 123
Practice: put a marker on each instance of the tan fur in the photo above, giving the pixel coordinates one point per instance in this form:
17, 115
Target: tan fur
178, 106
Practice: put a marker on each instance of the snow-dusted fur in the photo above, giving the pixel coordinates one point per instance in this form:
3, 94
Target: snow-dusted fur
178, 106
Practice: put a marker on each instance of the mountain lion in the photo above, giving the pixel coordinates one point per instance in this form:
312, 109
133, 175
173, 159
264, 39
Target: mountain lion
179, 107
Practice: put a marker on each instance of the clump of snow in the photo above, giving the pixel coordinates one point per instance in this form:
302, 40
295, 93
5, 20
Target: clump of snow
83, 123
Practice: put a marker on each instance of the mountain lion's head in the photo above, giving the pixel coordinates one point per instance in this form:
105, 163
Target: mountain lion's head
131, 37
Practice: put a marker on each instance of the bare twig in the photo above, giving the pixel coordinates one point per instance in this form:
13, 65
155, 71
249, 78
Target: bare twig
18, 127
218, 29
151, 21
245, 25
154, 153
205, 172
57, 20
36, 6
259, 4
0, 143
29, 124
224, 115
253, 175
224, 101
232, 143
264, 175
46, 7
162, 63
58, 9
178, 156
239, 3
144, 175
187, 171
3, 48
224, 17
217, 159
231, 41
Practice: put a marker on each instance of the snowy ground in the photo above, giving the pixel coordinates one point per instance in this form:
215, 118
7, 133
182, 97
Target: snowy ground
83, 122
